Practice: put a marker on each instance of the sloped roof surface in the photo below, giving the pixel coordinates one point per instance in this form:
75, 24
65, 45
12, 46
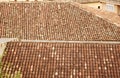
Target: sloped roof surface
53, 21
62, 60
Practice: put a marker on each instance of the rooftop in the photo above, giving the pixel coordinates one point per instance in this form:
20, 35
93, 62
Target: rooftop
59, 40
62, 60
54, 21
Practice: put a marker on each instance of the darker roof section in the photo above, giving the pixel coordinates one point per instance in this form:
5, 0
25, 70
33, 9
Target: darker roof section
54, 21
62, 60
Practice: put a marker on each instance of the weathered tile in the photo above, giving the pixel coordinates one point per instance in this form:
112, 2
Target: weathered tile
63, 60
54, 21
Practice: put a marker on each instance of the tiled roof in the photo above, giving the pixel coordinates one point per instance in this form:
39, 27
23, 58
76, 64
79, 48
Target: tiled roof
62, 60
54, 21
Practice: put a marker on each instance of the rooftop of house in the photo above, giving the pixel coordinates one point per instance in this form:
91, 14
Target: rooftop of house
59, 40
54, 21
62, 60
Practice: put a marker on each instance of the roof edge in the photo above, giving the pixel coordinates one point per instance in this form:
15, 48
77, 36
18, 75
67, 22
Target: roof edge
61, 41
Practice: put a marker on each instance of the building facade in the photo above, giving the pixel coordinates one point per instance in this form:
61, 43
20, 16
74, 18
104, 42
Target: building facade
111, 5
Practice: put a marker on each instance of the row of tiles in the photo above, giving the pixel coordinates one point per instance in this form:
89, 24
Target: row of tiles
62, 60
53, 21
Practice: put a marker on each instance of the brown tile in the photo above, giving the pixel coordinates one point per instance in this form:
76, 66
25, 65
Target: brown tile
62, 60
54, 21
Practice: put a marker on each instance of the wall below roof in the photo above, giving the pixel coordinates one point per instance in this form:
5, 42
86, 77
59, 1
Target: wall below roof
94, 5
116, 8
2, 47
3, 42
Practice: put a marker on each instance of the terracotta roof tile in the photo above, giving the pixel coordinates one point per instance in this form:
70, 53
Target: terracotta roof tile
62, 60
53, 21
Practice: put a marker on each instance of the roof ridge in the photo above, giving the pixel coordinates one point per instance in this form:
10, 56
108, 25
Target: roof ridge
35, 2
62, 41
